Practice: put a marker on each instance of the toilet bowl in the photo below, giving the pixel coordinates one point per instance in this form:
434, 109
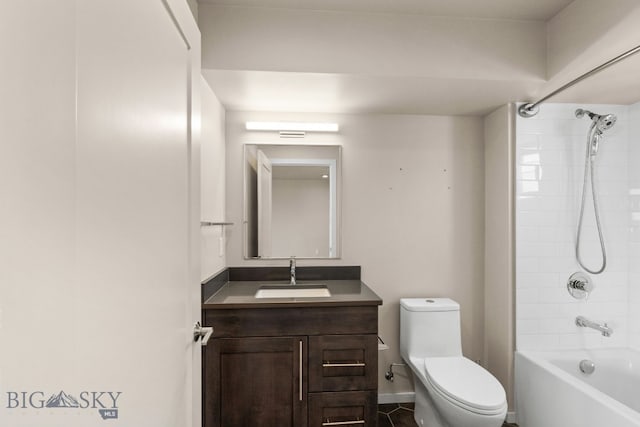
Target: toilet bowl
460, 392
451, 390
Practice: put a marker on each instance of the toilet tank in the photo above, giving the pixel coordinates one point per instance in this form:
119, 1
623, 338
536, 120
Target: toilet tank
429, 327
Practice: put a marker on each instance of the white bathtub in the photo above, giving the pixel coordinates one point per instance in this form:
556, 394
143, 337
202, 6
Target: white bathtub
551, 391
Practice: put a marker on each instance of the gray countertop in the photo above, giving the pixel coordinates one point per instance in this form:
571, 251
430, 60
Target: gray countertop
241, 294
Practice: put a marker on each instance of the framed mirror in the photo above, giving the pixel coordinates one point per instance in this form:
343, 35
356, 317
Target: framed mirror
291, 201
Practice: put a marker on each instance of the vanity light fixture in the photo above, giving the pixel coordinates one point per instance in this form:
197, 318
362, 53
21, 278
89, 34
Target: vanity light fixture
291, 127
325, 176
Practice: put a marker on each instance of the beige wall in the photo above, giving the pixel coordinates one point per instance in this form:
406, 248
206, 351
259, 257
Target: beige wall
585, 35
499, 253
412, 213
193, 6
212, 188
300, 218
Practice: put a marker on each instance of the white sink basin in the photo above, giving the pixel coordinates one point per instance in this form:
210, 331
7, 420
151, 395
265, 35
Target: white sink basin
293, 291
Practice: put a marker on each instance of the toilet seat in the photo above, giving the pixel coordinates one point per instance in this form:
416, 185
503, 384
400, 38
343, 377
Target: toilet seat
465, 384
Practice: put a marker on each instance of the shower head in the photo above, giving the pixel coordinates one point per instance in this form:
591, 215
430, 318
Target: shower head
606, 122
602, 122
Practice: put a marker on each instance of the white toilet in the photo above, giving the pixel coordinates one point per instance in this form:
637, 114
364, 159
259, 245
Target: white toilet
451, 390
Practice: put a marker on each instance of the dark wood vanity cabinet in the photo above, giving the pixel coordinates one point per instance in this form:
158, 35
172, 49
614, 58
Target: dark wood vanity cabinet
299, 367
260, 381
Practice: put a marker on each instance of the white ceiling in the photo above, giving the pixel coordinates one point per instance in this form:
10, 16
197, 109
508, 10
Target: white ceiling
538, 10
283, 90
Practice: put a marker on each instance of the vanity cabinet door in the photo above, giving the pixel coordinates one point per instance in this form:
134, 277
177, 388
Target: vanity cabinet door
255, 382
343, 362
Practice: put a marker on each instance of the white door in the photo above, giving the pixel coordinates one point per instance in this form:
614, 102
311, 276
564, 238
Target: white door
99, 247
265, 185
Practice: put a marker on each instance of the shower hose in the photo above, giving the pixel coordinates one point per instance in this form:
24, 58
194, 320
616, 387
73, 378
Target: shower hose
589, 171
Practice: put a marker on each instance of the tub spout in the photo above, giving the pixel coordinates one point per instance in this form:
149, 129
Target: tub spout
586, 323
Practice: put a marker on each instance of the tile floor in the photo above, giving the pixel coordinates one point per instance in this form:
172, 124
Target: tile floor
401, 415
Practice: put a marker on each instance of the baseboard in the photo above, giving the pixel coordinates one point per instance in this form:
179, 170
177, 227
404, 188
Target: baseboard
396, 397
511, 417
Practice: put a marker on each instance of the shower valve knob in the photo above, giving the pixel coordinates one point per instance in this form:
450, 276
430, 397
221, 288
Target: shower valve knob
580, 285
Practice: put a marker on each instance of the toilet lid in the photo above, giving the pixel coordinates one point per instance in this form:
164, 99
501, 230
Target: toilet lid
466, 382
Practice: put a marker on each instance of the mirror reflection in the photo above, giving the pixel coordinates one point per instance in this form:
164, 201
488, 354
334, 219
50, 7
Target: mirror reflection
291, 201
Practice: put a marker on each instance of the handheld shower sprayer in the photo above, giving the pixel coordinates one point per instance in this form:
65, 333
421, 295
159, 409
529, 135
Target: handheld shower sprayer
599, 124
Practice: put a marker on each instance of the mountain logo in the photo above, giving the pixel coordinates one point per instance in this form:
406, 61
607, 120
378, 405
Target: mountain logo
106, 402
62, 400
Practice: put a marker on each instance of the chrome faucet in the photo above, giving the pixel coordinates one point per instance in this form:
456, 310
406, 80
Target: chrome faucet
586, 323
292, 268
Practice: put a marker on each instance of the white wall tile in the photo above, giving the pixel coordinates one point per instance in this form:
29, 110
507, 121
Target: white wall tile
633, 146
528, 326
534, 279
550, 160
527, 296
528, 264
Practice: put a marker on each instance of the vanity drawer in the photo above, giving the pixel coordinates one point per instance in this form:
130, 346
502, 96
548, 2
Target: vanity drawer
343, 362
346, 408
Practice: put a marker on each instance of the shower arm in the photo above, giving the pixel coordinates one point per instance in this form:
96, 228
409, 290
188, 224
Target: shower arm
531, 109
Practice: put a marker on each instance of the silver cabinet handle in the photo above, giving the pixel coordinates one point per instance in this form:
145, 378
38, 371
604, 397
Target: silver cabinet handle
300, 373
343, 423
344, 365
203, 332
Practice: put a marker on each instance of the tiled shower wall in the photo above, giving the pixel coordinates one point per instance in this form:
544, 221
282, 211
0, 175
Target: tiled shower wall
550, 156
634, 226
